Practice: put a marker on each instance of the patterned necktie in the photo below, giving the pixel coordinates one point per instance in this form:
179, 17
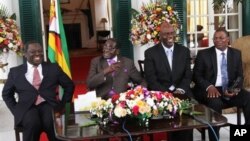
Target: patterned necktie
111, 61
36, 83
170, 57
36, 78
224, 75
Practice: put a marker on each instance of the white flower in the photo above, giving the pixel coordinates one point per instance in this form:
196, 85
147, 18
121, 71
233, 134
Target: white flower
150, 102
120, 112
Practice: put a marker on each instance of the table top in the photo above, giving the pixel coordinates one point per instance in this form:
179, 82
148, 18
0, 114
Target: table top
71, 126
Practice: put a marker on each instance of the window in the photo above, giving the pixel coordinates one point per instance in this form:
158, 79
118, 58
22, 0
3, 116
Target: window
203, 20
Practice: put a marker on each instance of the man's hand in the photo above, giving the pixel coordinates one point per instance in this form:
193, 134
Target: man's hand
212, 92
113, 67
179, 91
231, 94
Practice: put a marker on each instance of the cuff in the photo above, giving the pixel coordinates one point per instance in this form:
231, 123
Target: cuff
208, 87
181, 90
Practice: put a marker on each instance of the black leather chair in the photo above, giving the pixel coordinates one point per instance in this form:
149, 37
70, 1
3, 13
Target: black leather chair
18, 130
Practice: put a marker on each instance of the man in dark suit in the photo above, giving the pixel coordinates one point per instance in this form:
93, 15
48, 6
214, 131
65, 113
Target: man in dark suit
212, 78
111, 73
35, 82
167, 68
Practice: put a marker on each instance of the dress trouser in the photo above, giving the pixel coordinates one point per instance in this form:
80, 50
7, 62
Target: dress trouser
36, 120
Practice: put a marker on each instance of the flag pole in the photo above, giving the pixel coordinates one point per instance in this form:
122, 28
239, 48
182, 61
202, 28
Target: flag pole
43, 31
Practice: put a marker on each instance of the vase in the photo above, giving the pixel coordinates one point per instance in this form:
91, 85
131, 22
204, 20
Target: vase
4, 61
139, 53
160, 116
143, 122
4, 66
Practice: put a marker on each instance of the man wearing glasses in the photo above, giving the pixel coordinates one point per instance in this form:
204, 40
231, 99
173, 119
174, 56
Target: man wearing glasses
218, 77
110, 73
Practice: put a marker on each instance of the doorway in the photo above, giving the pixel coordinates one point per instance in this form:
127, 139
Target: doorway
73, 35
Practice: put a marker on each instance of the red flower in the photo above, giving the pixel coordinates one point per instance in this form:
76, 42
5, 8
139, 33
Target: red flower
123, 104
135, 110
6, 42
129, 93
168, 95
115, 97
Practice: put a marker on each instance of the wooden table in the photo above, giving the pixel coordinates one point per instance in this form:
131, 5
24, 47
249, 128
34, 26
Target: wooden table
69, 126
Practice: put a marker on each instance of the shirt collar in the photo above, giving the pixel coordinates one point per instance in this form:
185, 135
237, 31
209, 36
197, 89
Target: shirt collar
218, 52
167, 49
114, 58
30, 66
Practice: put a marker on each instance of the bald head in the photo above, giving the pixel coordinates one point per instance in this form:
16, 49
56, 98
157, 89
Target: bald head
166, 25
167, 34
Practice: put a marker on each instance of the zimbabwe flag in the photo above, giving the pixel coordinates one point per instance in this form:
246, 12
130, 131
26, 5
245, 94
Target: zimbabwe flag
57, 44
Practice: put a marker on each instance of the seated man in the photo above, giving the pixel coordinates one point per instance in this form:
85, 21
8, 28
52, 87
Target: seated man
111, 72
167, 68
216, 69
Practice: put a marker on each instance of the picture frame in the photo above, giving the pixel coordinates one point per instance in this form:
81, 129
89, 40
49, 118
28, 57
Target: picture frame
64, 1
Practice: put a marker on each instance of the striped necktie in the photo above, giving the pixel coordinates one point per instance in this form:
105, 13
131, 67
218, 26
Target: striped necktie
224, 74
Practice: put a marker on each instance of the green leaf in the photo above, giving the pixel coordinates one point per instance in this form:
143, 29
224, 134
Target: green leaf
3, 11
13, 16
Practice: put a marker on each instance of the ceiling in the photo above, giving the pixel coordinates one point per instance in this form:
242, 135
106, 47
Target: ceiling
72, 6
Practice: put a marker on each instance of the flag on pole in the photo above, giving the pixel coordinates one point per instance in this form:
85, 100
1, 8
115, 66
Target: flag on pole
57, 44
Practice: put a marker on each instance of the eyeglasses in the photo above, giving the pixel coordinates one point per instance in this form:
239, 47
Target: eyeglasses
105, 48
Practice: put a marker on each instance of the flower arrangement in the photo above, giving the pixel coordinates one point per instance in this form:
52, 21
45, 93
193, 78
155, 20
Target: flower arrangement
138, 103
9, 34
145, 26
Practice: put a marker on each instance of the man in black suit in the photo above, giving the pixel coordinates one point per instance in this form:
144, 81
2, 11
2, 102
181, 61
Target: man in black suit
212, 78
167, 68
36, 82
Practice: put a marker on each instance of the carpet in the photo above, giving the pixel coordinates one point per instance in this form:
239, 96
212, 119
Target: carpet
79, 70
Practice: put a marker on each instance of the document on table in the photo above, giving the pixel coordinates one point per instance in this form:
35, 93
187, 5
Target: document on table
83, 102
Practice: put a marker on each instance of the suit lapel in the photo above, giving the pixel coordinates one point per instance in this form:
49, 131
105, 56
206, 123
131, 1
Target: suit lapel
176, 57
119, 58
229, 61
45, 72
24, 79
214, 59
162, 54
104, 63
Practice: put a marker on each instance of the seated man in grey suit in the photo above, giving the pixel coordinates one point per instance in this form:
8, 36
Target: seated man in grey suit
110, 73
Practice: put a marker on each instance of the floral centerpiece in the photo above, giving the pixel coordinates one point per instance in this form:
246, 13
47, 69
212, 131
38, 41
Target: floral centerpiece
138, 103
10, 38
145, 26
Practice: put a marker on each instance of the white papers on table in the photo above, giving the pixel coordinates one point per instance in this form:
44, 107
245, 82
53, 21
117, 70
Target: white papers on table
83, 102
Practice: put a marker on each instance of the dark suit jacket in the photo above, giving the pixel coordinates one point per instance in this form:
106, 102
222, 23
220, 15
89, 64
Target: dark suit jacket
158, 74
205, 69
17, 83
119, 81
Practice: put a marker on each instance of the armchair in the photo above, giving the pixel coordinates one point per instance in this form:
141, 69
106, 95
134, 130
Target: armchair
243, 44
